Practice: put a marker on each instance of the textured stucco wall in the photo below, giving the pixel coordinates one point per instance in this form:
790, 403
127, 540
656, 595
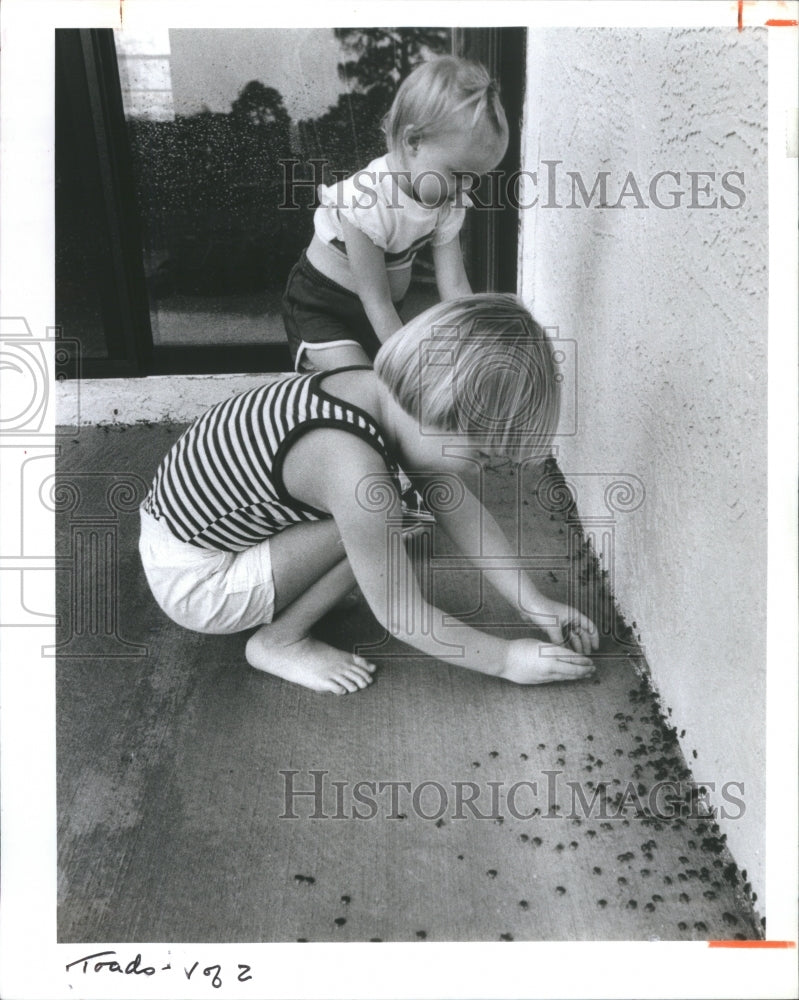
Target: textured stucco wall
668, 308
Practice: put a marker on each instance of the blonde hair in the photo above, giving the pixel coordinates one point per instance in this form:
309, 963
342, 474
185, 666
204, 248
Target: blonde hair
428, 99
481, 366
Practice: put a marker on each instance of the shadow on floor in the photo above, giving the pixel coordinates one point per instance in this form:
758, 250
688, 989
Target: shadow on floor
497, 811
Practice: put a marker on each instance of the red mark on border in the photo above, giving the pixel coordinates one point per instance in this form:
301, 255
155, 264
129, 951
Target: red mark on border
773, 22
751, 944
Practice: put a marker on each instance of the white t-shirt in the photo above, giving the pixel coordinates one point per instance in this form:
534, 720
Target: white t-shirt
372, 201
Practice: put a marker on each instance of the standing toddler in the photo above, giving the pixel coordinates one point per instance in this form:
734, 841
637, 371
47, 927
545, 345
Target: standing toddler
445, 128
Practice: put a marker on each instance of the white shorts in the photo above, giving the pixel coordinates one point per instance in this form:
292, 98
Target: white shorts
206, 590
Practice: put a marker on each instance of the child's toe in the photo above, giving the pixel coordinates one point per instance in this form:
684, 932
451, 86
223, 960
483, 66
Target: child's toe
346, 682
334, 687
360, 678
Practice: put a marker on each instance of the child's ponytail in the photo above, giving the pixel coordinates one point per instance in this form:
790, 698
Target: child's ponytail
435, 92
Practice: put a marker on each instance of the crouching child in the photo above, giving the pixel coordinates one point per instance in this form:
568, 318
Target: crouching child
259, 515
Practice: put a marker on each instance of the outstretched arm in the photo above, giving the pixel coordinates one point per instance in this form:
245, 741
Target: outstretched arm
470, 524
451, 278
387, 580
368, 265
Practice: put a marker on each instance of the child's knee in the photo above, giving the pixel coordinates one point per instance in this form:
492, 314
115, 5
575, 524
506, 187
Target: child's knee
254, 647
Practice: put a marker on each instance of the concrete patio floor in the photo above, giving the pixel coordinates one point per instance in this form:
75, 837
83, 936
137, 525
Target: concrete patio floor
174, 760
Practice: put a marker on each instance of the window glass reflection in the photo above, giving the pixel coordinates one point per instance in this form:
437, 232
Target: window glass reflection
211, 115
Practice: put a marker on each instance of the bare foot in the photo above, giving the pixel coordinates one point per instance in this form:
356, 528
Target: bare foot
309, 662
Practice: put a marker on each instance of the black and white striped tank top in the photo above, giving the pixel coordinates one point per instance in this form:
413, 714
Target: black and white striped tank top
221, 484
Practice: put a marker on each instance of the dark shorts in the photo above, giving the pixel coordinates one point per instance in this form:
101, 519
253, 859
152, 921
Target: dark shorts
318, 312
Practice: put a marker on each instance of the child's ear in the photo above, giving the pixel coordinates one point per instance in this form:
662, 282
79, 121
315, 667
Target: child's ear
411, 139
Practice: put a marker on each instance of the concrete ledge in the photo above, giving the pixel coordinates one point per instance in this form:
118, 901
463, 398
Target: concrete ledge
157, 398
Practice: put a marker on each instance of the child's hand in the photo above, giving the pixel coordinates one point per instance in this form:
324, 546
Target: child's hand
570, 628
526, 663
